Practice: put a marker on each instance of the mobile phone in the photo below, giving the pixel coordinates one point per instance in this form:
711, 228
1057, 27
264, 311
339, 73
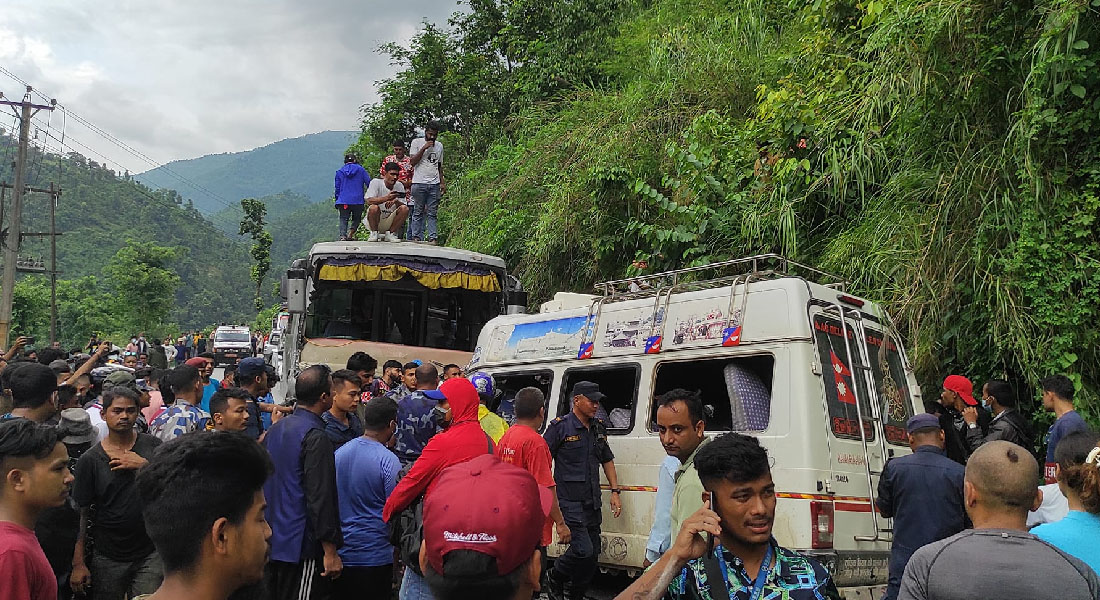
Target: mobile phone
29, 339
709, 537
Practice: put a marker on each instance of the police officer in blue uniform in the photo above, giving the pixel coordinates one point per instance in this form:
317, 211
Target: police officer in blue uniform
578, 443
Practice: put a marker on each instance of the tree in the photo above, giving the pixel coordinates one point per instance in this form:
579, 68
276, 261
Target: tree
143, 284
31, 308
253, 225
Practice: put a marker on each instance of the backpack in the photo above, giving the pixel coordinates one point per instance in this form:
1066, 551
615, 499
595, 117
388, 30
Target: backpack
407, 527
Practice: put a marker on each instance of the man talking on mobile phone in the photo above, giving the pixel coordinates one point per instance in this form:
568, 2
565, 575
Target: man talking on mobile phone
743, 561
428, 184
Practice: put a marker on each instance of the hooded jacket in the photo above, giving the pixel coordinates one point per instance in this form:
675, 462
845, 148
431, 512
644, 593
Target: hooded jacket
351, 184
461, 442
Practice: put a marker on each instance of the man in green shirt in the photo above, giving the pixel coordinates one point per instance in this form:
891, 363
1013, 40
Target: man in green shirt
681, 424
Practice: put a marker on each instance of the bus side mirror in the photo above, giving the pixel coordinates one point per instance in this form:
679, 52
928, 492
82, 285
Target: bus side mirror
283, 289
516, 302
296, 291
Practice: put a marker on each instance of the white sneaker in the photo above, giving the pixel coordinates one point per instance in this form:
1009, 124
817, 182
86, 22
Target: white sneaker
390, 237
373, 237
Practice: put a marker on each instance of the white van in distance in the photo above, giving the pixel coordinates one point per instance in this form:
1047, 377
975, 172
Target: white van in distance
778, 349
231, 344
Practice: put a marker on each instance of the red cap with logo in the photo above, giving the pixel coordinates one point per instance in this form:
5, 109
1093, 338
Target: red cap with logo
197, 362
487, 506
961, 386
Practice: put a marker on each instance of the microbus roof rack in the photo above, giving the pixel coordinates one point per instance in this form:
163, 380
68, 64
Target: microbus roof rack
716, 275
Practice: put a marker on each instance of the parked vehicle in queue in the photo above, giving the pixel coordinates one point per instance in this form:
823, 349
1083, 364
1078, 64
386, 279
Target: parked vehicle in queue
779, 350
393, 301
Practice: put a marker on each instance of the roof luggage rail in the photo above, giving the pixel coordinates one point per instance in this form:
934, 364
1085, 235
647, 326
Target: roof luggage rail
661, 287
714, 275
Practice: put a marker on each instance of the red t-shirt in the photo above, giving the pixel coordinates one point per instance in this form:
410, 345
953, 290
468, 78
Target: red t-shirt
24, 570
524, 447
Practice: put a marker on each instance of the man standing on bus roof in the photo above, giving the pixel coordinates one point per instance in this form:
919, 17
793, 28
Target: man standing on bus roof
578, 443
428, 183
923, 493
351, 187
681, 425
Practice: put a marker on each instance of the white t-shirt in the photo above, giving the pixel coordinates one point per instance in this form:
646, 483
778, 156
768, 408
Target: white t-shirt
95, 415
427, 170
377, 188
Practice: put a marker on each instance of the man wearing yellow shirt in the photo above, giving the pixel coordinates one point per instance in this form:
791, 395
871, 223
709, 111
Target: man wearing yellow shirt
493, 424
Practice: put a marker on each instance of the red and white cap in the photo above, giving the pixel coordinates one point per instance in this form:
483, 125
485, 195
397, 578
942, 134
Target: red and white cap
487, 506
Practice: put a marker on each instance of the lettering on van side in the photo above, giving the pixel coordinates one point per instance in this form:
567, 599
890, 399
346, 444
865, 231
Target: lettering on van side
849, 459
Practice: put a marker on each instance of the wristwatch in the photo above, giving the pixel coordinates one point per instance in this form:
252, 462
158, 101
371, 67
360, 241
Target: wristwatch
616, 491
973, 425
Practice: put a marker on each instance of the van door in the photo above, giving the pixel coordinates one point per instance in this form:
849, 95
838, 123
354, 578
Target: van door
857, 446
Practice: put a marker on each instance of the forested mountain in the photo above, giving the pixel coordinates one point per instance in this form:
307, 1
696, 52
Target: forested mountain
942, 156
302, 165
98, 213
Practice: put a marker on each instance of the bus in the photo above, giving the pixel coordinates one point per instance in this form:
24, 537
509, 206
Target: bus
394, 301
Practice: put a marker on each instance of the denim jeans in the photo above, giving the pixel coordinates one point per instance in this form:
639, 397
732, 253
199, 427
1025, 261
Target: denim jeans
414, 587
355, 212
423, 225
115, 580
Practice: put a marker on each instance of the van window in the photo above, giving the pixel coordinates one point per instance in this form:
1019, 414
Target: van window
738, 390
511, 383
893, 387
232, 336
839, 379
618, 383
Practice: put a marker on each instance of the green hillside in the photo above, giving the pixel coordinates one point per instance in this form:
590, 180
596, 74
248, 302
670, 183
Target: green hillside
278, 206
302, 165
293, 234
97, 214
941, 155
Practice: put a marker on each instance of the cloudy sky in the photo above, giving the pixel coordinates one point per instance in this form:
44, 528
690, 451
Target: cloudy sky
180, 79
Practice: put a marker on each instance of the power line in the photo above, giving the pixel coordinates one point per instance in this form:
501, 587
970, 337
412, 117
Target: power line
137, 153
140, 188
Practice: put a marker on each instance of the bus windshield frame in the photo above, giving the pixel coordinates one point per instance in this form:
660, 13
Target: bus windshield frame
412, 314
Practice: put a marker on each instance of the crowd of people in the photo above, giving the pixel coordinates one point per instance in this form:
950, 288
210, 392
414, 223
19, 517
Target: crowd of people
406, 484
408, 188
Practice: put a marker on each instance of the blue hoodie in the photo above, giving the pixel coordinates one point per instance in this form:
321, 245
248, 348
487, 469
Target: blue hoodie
351, 184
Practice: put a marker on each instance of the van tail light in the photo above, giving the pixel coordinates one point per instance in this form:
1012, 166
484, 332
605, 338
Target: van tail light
821, 524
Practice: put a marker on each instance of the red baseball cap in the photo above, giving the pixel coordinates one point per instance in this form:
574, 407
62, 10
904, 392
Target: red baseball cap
487, 506
961, 386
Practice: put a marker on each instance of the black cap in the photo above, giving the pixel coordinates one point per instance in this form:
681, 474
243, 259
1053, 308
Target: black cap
588, 390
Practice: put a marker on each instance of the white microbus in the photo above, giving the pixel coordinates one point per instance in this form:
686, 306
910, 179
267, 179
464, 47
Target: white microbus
779, 350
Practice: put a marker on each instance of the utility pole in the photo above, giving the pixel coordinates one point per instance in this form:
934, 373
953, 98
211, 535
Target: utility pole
14, 237
54, 193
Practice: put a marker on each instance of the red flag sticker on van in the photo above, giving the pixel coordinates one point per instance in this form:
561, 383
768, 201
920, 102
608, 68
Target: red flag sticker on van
840, 371
731, 336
